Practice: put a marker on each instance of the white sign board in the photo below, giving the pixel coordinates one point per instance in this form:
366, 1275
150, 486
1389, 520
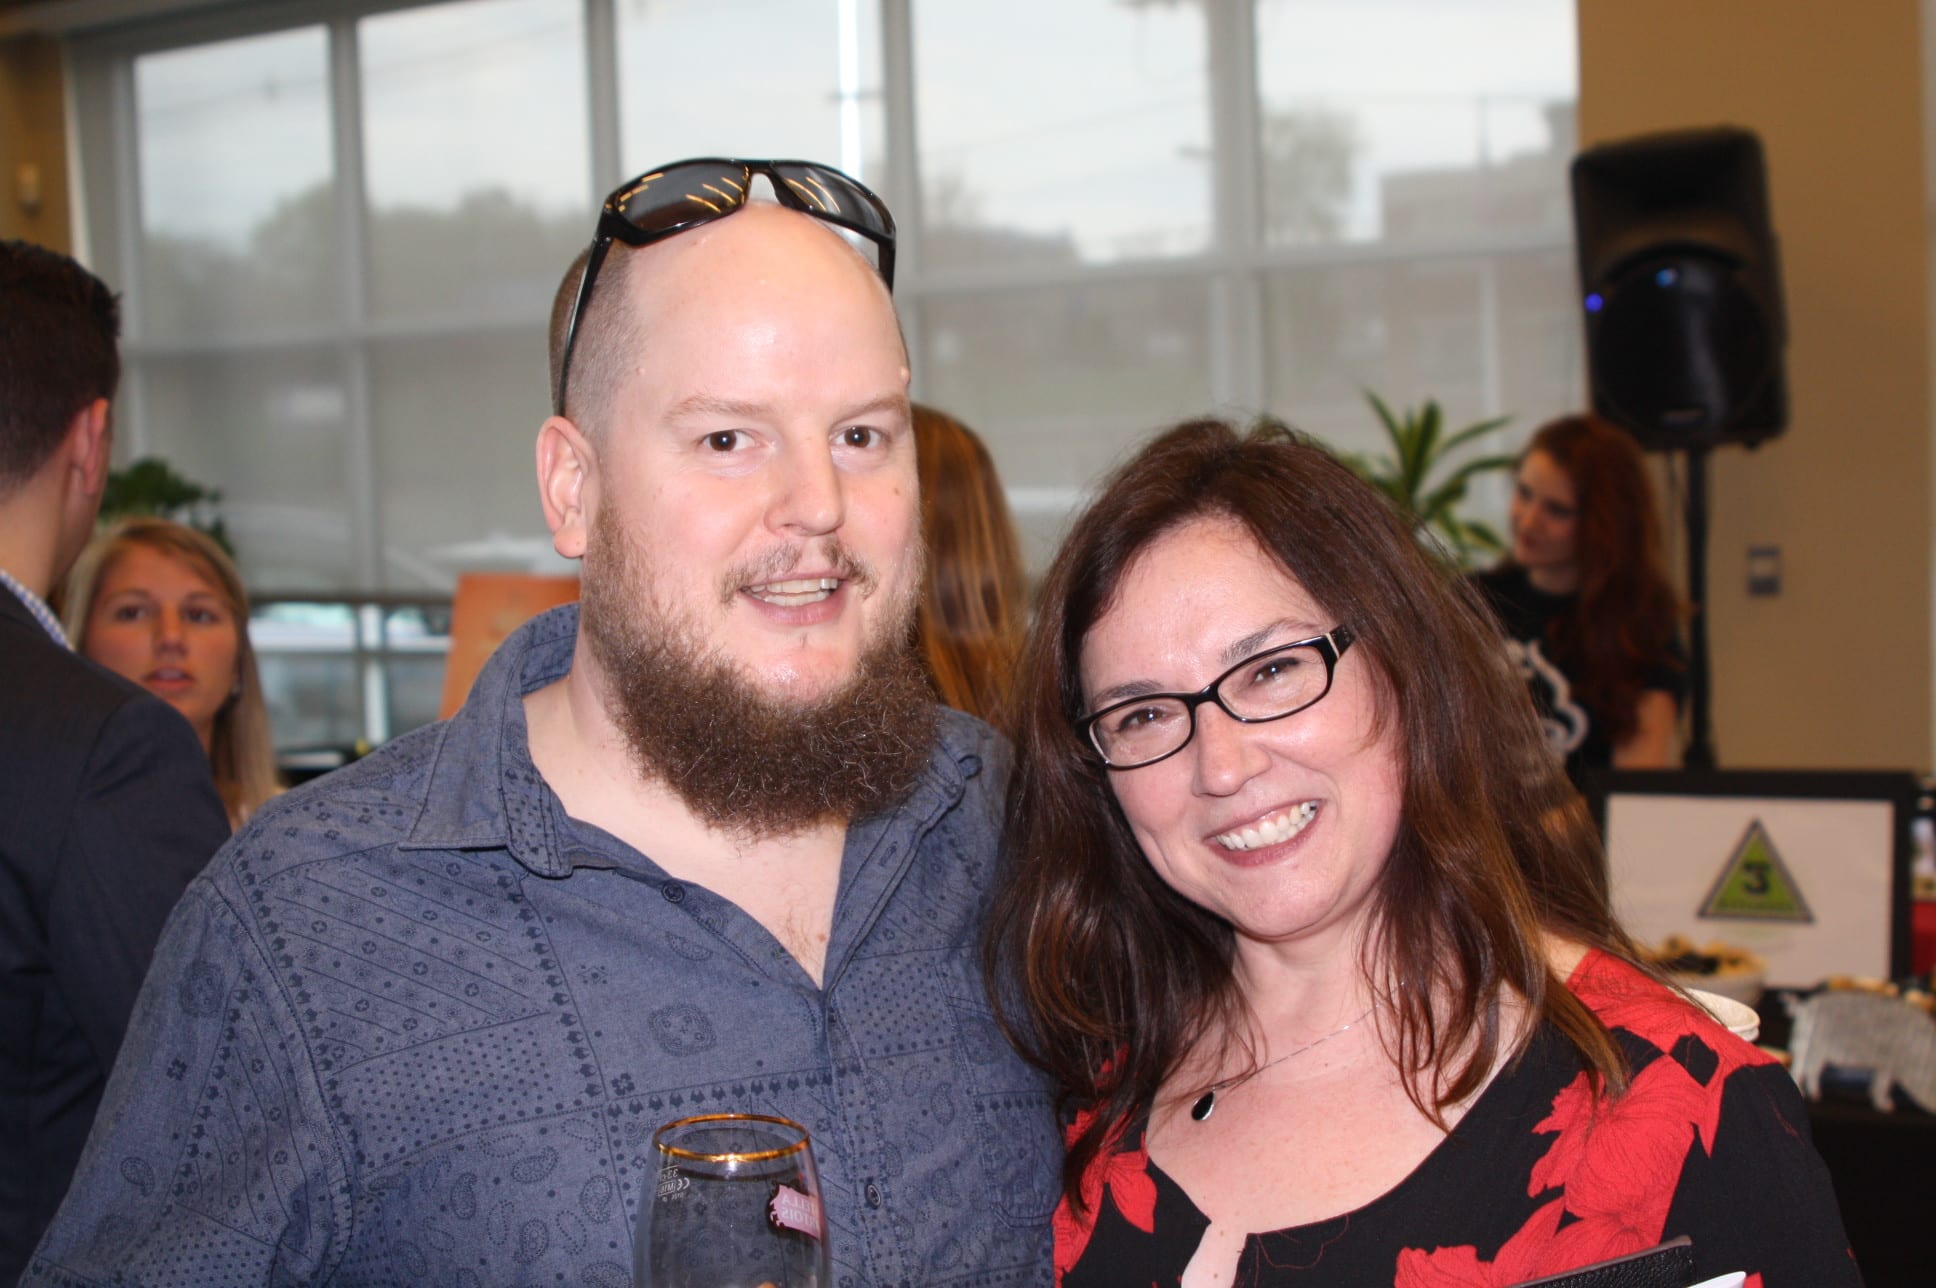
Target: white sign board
1806, 883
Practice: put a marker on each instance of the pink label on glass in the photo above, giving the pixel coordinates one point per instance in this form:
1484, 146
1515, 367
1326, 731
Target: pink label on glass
792, 1210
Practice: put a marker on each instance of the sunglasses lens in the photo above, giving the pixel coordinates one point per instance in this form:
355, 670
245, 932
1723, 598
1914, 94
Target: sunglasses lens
679, 195
834, 197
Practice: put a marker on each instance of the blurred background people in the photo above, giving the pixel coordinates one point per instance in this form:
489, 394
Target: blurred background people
161, 604
975, 606
1583, 597
1294, 896
106, 809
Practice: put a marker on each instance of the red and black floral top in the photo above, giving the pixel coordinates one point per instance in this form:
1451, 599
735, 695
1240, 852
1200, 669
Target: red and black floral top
1539, 1177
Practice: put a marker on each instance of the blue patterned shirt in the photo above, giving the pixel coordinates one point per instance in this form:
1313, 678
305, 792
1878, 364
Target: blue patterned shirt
415, 1024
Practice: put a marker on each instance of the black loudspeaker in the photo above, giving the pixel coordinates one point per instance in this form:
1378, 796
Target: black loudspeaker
1684, 322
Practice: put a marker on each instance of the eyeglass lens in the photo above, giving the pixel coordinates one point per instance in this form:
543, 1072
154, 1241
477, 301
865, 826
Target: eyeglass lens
1265, 687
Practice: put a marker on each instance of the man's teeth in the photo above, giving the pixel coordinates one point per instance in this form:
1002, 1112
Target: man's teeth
1275, 830
792, 594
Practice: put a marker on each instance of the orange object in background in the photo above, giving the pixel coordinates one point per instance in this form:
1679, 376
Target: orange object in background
486, 607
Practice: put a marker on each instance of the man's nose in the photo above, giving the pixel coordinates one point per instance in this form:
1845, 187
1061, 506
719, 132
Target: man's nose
809, 498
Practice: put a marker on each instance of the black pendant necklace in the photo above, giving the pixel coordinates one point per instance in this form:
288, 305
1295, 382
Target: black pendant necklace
1206, 1104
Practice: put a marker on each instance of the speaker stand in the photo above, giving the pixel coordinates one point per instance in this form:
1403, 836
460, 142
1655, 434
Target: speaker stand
1699, 753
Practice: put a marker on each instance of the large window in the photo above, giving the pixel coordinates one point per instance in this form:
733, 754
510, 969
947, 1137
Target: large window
339, 223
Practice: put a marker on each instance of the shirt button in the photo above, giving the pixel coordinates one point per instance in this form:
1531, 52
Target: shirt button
873, 1195
673, 892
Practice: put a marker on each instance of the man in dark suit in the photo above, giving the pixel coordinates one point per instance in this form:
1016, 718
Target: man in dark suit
107, 808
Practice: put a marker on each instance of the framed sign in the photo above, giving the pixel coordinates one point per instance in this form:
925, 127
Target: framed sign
1808, 869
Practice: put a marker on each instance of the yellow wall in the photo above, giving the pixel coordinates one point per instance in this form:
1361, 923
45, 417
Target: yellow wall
32, 134
1835, 672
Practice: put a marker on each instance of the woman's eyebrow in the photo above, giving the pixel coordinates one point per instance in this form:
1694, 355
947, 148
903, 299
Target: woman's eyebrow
1257, 641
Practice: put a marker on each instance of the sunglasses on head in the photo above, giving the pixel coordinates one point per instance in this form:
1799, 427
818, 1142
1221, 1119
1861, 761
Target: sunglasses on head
686, 194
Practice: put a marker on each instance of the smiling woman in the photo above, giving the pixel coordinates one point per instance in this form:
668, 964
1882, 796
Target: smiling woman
1315, 936
160, 604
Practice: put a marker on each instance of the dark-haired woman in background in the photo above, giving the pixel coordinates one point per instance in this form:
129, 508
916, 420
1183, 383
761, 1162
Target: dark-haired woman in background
1314, 935
1584, 600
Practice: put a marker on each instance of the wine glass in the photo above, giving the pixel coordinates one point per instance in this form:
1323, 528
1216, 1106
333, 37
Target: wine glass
736, 1204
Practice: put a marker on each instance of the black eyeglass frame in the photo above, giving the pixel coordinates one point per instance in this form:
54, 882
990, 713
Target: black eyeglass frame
615, 225
1330, 646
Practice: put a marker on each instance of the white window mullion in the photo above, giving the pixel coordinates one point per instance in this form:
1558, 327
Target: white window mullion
601, 92
1236, 291
366, 513
131, 402
901, 188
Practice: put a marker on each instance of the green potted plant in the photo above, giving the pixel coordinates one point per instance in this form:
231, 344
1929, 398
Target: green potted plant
1421, 479
150, 486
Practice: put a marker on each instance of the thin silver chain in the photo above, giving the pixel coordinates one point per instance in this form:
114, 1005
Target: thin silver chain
1206, 1103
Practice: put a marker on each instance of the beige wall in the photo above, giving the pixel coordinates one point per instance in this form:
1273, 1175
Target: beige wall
1835, 672
32, 134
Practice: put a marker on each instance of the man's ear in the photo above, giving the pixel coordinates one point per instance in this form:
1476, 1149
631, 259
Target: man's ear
567, 484
90, 447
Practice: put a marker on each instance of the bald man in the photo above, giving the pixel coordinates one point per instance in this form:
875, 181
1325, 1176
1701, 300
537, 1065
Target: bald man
702, 843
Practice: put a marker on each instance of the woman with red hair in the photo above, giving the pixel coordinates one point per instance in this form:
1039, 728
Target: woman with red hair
1584, 600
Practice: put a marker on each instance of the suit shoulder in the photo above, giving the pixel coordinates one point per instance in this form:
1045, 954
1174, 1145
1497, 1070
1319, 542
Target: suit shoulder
50, 686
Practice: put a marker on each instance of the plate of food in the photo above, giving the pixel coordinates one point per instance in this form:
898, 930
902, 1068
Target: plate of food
1726, 970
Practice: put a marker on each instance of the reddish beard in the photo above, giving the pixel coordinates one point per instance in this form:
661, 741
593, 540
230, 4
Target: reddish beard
739, 758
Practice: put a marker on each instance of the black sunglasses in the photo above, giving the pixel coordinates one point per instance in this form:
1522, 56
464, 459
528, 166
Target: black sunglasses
686, 194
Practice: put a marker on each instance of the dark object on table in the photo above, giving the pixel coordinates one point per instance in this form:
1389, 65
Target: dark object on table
1671, 1265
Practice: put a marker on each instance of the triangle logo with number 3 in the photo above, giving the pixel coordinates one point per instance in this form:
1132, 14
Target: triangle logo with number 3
1755, 885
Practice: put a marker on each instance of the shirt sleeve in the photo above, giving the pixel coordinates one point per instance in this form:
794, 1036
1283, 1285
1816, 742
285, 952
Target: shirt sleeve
1762, 1200
146, 821
214, 1159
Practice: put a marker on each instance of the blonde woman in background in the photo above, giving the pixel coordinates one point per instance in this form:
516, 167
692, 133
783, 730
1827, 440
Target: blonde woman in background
974, 610
160, 604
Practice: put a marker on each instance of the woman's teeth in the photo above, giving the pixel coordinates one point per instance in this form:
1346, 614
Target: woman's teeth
1275, 830
792, 594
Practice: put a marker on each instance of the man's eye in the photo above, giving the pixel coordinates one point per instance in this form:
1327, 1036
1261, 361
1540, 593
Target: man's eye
725, 440
860, 436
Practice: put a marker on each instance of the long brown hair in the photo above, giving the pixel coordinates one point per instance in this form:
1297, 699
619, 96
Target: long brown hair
240, 752
974, 608
1108, 978
1624, 622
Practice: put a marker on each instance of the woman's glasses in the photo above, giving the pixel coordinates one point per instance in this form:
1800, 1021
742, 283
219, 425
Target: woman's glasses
1278, 682
686, 194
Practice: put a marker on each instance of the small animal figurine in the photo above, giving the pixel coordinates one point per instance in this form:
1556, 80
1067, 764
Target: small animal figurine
1860, 1029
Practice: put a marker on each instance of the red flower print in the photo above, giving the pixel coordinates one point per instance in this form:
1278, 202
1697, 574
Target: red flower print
1619, 1161
1124, 1176
1519, 1259
1626, 999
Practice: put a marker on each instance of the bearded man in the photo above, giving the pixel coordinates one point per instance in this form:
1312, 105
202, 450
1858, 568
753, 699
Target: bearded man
702, 843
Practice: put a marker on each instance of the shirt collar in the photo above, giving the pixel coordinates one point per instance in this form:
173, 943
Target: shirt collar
38, 607
485, 792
